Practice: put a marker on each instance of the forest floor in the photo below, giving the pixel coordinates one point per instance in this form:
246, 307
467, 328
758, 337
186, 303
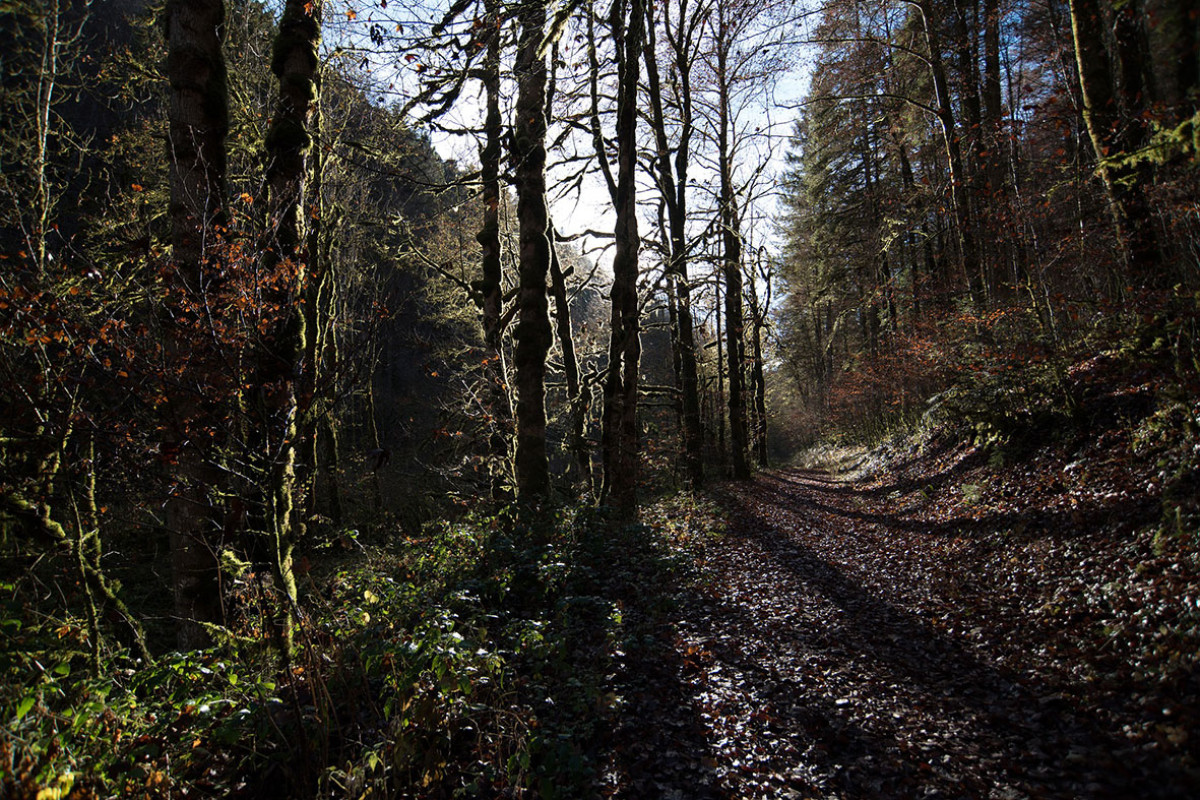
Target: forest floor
1012, 620
933, 629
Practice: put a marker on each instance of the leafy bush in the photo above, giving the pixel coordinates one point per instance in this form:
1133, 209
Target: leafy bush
470, 660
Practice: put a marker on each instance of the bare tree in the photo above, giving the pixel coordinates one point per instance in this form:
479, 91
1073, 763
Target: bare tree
533, 332
741, 61
682, 34
620, 434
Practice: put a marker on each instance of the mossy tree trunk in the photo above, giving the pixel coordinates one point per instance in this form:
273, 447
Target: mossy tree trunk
289, 143
1113, 111
320, 459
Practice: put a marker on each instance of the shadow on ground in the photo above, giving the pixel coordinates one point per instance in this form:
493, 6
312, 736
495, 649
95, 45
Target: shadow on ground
873, 699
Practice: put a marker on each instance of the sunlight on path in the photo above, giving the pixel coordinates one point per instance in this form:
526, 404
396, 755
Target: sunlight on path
829, 657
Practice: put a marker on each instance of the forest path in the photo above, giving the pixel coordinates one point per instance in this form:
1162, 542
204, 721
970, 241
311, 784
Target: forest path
841, 650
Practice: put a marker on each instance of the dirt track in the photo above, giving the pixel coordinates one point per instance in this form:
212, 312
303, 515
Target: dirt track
843, 648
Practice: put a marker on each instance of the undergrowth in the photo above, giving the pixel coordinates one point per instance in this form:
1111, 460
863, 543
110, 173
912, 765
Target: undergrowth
1134, 382
468, 661
1093, 446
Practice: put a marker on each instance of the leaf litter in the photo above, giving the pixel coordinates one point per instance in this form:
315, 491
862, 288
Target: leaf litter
935, 629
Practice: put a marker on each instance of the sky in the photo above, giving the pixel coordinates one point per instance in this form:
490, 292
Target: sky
771, 113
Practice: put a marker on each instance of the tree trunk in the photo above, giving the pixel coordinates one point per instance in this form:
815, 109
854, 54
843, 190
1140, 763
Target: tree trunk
757, 378
1136, 87
673, 327
492, 285
672, 180
327, 347
719, 406
1114, 133
620, 433
289, 141
964, 223
321, 460
1175, 36
198, 122
731, 260
533, 332
992, 155
566, 341
562, 319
